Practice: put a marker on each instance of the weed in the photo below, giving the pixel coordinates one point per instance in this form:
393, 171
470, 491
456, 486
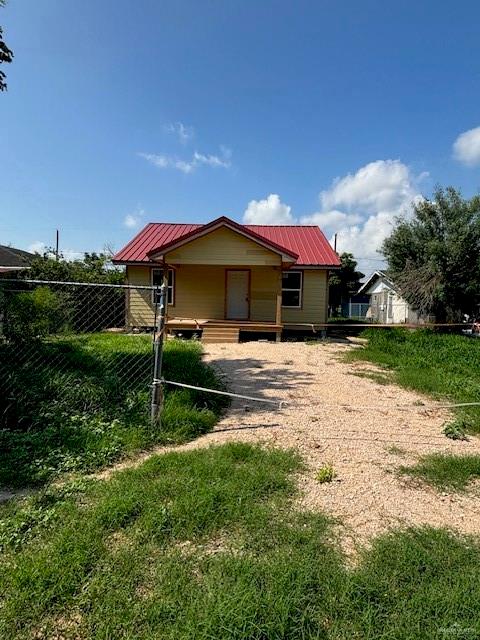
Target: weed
455, 430
326, 473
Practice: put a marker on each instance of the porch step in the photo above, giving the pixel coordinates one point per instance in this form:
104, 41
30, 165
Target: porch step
220, 334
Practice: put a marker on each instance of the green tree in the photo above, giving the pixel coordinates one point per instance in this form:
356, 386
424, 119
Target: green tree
345, 281
434, 257
93, 267
6, 55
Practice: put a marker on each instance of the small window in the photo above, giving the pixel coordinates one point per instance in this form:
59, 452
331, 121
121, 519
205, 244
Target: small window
157, 280
292, 289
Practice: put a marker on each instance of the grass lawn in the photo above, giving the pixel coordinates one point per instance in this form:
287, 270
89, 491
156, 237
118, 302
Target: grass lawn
445, 471
441, 365
207, 545
78, 403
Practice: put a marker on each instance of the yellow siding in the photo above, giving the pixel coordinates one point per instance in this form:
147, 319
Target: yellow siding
223, 247
264, 284
314, 303
200, 293
139, 303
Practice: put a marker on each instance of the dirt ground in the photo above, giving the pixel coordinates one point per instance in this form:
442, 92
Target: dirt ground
365, 441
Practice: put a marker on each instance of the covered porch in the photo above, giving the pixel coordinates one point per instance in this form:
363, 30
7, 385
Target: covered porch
222, 301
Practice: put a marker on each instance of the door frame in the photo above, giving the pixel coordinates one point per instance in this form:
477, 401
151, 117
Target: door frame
249, 271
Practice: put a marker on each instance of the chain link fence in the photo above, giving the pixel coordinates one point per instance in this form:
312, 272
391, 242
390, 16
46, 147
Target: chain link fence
58, 337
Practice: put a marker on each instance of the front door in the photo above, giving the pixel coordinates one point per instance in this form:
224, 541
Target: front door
237, 302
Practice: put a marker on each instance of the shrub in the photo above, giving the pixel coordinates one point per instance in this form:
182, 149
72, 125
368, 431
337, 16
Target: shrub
35, 314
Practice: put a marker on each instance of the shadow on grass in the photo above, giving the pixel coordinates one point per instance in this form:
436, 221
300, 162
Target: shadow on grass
79, 403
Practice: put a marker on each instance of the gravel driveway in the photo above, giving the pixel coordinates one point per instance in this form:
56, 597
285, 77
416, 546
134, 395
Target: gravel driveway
365, 441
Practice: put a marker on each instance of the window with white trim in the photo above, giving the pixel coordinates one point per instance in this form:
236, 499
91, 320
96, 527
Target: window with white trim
157, 280
292, 289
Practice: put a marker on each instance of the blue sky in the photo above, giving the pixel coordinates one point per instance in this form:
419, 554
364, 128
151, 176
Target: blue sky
337, 113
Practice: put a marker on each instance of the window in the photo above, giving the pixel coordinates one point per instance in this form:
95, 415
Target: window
292, 289
157, 279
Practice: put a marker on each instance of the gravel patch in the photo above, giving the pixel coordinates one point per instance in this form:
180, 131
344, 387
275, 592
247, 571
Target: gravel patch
350, 422
365, 441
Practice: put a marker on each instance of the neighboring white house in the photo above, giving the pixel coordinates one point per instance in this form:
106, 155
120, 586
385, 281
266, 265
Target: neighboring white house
386, 304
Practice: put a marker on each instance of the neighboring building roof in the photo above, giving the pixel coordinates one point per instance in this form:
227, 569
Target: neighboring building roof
12, 259
305, 244
377, 275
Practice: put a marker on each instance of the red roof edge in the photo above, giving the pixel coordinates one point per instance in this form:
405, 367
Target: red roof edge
231, 223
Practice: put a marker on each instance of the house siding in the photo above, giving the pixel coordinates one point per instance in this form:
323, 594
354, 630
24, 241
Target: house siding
223, 247
140, 312
200, 293
314, 299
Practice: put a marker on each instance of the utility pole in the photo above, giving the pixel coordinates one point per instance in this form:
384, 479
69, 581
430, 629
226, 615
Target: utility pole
56, 245
335, 243
157, 390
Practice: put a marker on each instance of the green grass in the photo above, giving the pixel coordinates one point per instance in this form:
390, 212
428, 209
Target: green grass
206, 544
442, 365
79, 403
445, 471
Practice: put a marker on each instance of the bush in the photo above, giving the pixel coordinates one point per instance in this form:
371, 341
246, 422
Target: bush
35, 314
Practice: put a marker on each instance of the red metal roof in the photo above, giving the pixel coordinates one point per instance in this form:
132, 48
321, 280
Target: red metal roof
308, 242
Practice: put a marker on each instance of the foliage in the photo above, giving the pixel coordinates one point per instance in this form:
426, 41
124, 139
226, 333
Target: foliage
93, 267
326, 473
6, 55
456, 429
446, 471
345, 281
442, 365
35, 314
435, 257
206, 544
87, 308
79, 403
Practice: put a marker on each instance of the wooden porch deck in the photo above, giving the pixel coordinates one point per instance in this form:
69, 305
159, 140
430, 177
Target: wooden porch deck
215, 330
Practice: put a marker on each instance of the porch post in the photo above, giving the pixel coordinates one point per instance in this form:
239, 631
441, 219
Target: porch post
278, 314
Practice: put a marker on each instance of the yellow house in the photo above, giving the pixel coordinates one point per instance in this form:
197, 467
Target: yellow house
225, 278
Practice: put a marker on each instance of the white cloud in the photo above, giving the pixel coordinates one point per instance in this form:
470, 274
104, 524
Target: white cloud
212, 161
37, 247
133, 220
466, 147
332, 219
183, 132
362, 207
268, 211
162, 161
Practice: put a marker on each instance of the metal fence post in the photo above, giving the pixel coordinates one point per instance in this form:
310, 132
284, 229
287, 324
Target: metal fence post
157, 390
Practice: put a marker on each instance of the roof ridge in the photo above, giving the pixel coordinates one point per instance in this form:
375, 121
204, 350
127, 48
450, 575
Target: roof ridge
180, 224
312, 226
